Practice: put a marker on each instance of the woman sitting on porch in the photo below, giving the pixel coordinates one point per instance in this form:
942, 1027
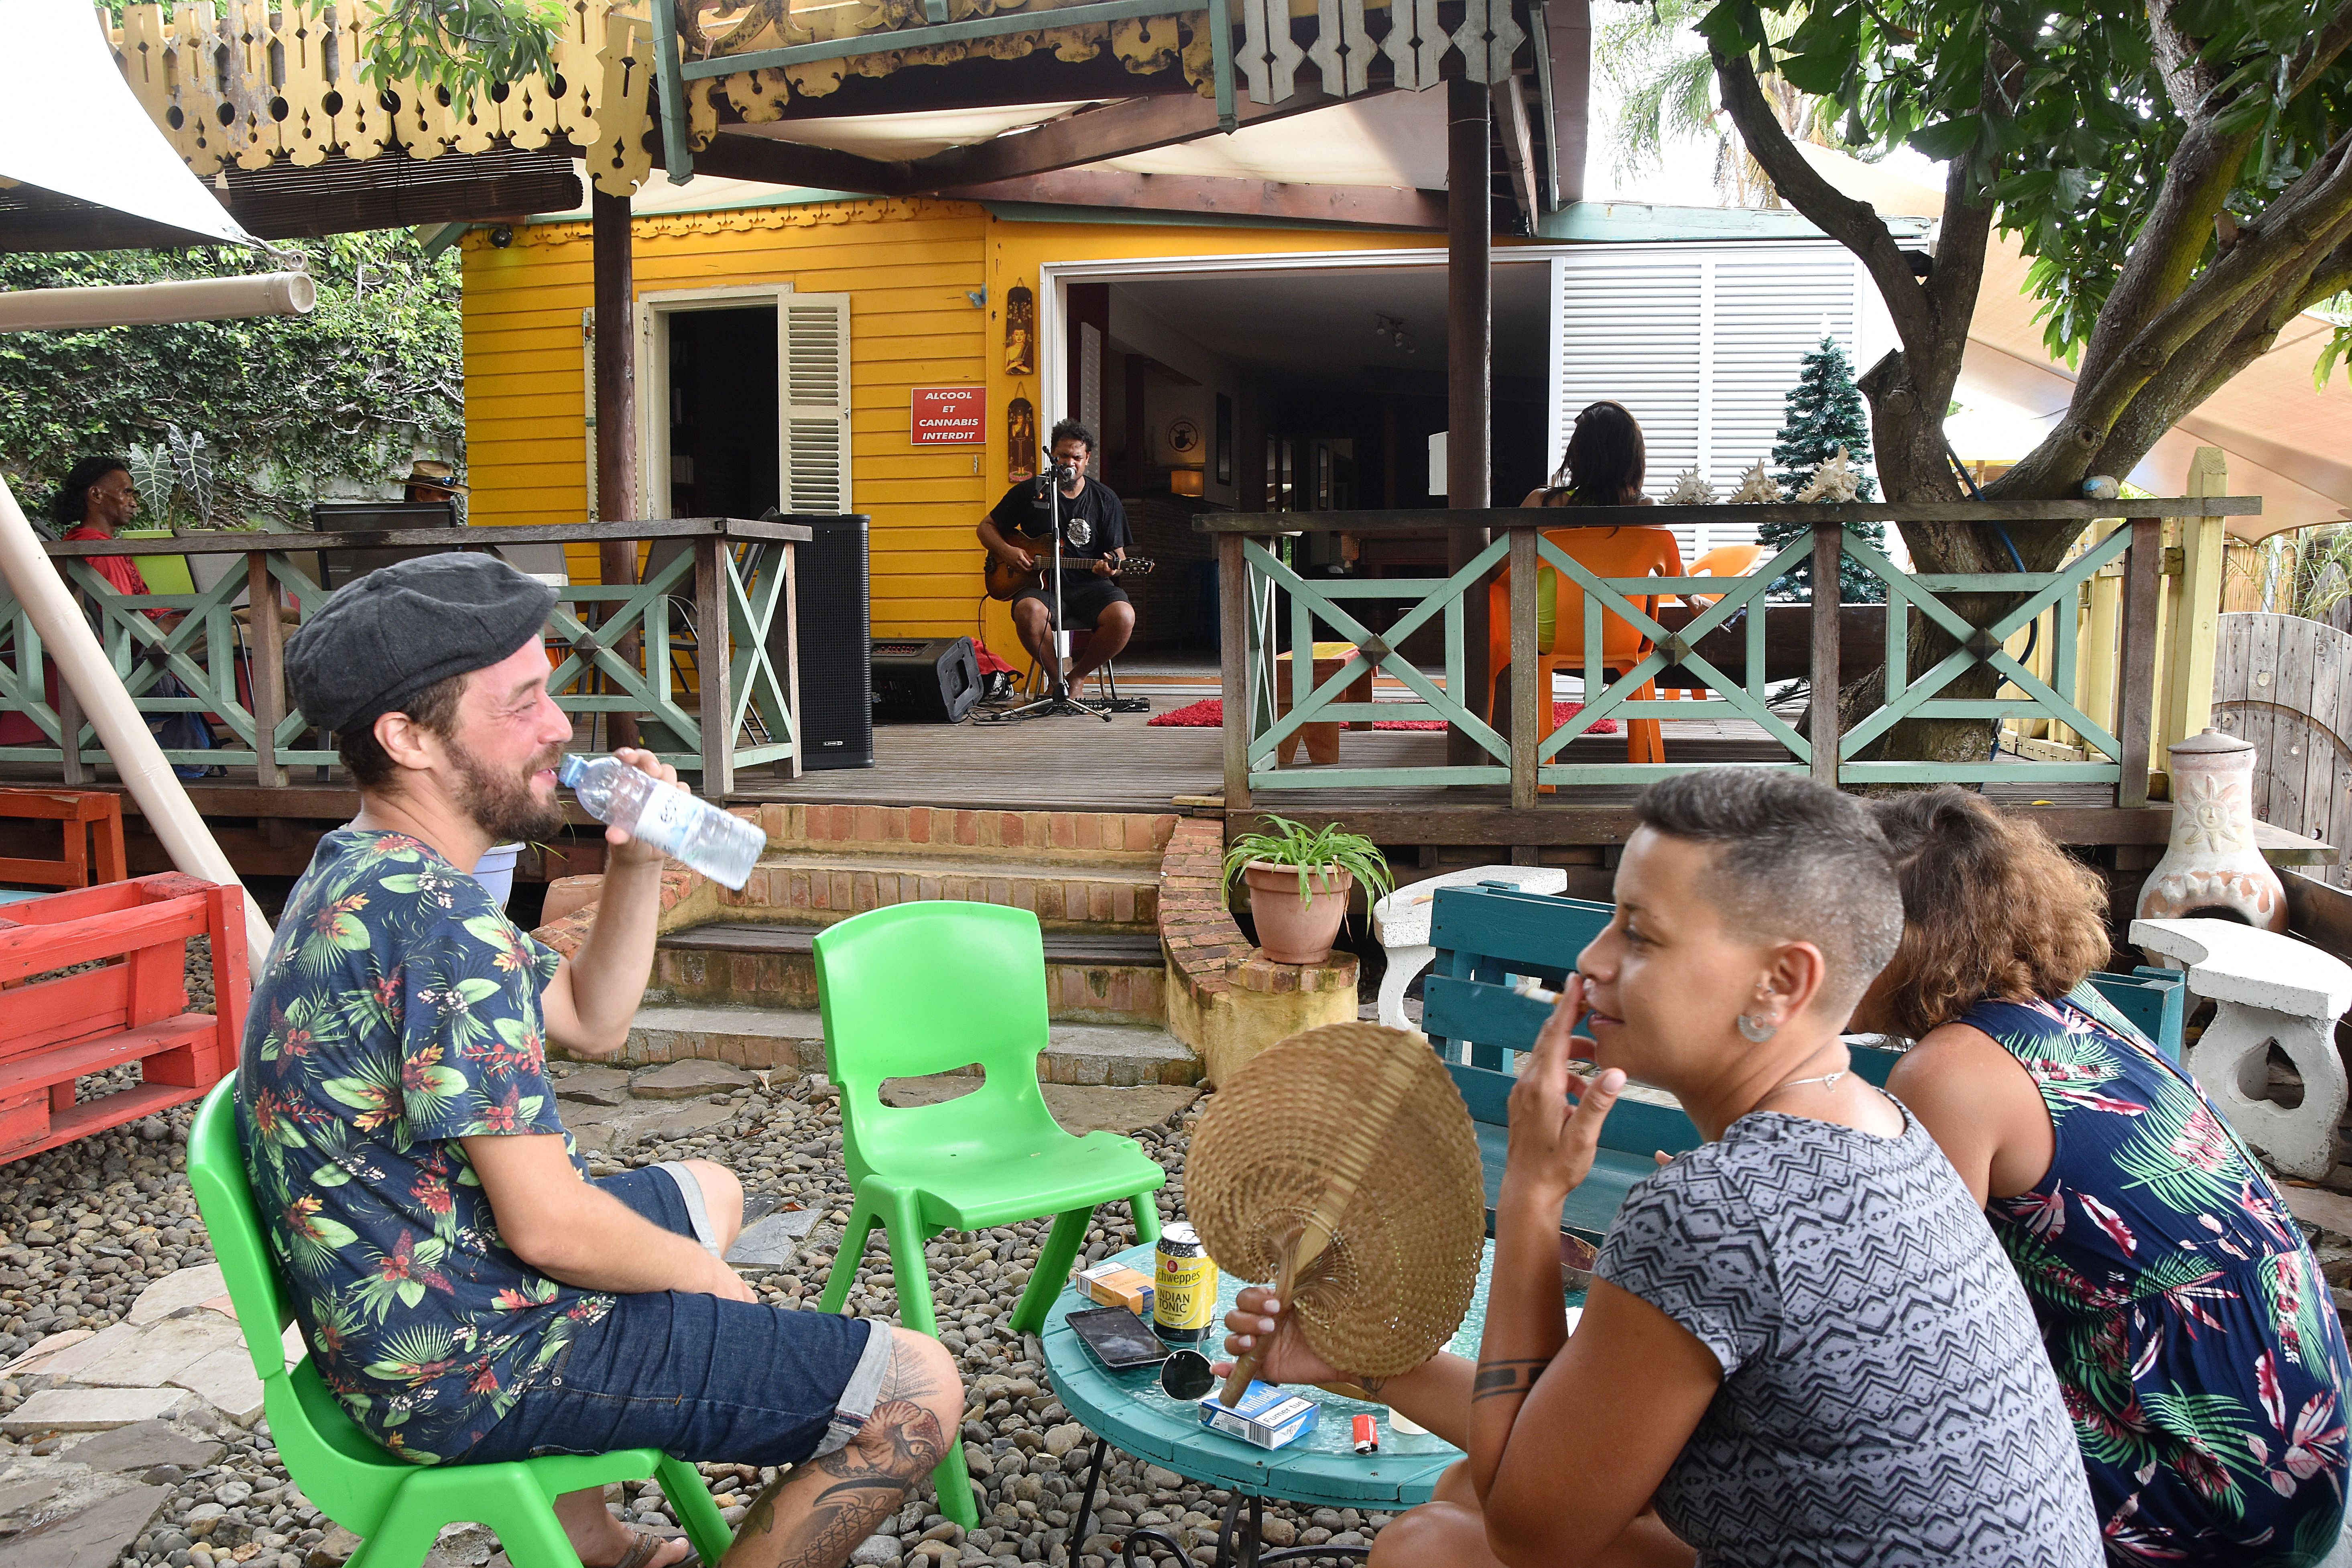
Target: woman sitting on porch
2194, 1337
1605, 462
1800, 1344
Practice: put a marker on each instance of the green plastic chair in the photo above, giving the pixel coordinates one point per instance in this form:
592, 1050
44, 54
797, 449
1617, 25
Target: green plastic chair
928, 987
396, 1507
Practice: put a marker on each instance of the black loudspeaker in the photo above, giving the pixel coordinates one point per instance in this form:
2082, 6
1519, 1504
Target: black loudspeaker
831, 596
925, 681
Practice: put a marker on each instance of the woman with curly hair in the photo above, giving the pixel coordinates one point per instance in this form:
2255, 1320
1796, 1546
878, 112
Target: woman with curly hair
2192, 1335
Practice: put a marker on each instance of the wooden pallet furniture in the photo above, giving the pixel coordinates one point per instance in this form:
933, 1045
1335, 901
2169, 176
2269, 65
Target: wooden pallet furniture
85, 816
1485, 935
57, 1030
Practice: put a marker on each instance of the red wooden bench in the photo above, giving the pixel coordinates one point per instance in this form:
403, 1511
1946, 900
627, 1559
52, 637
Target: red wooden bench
85, 814
61, 1028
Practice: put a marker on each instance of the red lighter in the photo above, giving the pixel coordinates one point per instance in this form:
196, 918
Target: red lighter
1368, 1434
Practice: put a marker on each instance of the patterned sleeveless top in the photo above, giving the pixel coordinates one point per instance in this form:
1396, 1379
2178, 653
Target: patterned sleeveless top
2194, 1339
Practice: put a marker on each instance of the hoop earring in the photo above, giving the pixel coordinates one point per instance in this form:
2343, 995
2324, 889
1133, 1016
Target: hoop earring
1754, 1032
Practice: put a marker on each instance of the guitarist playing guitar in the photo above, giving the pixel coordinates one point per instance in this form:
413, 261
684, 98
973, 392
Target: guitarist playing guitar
1019, 536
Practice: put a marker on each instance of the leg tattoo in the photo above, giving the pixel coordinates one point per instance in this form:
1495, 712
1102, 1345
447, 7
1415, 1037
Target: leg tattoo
814, 1516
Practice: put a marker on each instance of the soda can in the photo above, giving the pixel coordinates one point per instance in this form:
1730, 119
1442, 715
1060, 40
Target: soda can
1184, 1286
1368, 1434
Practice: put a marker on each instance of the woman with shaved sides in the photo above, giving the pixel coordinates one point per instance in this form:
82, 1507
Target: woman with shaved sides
1801, 1344
2191, 1332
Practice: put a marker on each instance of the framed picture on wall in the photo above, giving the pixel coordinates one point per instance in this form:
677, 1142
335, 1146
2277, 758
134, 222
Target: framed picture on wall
1221, 446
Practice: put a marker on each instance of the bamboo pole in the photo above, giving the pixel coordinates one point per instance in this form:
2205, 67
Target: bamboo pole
83, 666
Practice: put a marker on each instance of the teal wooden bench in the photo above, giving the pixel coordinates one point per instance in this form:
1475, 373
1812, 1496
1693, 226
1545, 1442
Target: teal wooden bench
1486, 935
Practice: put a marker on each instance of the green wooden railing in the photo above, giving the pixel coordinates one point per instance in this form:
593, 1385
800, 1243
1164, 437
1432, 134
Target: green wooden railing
615, 649
1738, 646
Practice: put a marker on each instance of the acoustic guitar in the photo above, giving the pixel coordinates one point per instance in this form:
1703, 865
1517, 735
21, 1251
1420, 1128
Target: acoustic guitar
1005, 581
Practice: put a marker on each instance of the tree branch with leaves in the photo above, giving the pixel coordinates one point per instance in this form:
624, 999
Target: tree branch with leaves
2178, 176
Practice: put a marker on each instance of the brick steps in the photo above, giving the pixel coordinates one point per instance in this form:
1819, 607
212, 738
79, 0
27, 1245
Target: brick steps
942, 831
1106, 977
816, 888
792, 1040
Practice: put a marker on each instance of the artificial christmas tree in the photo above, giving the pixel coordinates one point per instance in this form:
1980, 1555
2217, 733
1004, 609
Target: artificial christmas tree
1823, 415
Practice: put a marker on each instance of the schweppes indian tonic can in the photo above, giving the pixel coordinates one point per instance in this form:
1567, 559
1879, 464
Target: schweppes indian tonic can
1184, 1286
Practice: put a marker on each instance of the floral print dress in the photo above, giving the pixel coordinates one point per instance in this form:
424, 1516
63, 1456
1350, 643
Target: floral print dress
2194, 1340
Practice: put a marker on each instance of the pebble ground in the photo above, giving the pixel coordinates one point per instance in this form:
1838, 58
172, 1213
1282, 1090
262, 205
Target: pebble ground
84, 1228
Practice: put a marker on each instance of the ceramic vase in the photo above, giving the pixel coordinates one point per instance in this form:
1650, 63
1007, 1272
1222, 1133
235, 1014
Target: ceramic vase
2212, 865
1290, 931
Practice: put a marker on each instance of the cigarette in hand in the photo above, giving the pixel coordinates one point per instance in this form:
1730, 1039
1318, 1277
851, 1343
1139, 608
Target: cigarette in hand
1527, 985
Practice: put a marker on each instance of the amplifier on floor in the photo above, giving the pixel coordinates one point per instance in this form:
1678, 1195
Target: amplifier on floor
925, 680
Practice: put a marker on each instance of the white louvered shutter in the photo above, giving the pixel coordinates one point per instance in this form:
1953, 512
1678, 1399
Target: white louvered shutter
1702, 344
815, 333
1772, 306
1630, 321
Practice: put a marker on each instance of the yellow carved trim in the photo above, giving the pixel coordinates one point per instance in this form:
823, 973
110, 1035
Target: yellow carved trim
259, 82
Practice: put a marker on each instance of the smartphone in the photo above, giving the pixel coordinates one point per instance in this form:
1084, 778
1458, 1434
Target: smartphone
1118, 1339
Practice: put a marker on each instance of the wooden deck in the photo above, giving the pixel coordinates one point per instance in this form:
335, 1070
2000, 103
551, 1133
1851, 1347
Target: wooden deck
1074, 764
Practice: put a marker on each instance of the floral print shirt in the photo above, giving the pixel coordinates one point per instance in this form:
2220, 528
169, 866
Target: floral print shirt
397, 1013
2193, 1336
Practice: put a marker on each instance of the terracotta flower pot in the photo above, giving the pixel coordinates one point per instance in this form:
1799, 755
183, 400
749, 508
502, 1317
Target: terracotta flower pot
1289, 932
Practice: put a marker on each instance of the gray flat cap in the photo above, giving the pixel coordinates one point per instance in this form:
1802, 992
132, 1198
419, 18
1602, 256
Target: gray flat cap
383, 639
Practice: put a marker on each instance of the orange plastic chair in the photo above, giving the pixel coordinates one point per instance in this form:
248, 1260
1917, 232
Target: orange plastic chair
1723, 561
1560, 636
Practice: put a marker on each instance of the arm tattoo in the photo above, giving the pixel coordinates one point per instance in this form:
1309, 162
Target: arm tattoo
1506, 1377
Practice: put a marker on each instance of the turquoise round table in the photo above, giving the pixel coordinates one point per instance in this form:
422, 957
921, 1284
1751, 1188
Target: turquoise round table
1128, 1410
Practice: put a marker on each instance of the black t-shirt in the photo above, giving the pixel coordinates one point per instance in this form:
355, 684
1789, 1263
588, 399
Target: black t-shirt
1094, 524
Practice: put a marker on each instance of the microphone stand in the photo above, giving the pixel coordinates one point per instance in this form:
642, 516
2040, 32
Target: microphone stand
1059, 701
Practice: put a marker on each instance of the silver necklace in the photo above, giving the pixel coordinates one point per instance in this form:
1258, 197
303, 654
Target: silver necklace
1827, 1080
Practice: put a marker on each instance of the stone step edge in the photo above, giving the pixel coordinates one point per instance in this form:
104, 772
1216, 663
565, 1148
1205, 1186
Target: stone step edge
807, 823
1134, 873
1135, 948
1117, 1055
1074, 898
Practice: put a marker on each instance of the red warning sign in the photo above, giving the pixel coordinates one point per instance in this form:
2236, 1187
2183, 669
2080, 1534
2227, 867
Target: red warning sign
949, 415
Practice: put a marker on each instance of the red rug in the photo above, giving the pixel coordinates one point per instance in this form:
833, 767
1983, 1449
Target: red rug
1209, 713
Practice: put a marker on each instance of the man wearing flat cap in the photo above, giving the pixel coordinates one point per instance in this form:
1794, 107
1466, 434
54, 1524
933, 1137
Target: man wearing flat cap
465, 1289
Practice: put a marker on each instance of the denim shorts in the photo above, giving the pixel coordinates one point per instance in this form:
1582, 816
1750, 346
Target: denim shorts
697, 1377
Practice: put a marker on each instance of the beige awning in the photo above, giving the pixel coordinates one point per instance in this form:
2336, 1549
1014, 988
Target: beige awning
2286, 441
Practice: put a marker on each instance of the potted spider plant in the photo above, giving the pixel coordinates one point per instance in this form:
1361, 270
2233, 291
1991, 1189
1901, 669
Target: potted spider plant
1299, 879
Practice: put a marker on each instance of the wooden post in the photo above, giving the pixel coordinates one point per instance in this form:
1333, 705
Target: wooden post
1233, 660
70, 731
2195, 596
1527, 726
268, 668
1469, 362
1828, 540
2094, 668
790, 610
617, 408
2142, 607
713, 664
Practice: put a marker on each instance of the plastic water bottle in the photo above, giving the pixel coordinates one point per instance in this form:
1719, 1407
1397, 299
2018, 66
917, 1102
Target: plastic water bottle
718, 843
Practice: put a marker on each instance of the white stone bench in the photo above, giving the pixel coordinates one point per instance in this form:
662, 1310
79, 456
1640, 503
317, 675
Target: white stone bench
2269, 990
1400, 921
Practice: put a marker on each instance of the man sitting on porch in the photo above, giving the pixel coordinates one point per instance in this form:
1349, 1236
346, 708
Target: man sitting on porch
466, 1288
1020, 531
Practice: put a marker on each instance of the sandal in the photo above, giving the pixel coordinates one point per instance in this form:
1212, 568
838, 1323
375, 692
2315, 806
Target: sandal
645, 1546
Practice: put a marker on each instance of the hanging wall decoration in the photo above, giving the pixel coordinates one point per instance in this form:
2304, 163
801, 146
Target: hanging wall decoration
1020, 330
1020, 440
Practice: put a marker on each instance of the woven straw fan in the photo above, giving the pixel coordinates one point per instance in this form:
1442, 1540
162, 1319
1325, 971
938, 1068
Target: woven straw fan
1341, 1166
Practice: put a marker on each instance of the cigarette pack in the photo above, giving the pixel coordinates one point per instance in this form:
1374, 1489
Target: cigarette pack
1116, 1285
1268, 1416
